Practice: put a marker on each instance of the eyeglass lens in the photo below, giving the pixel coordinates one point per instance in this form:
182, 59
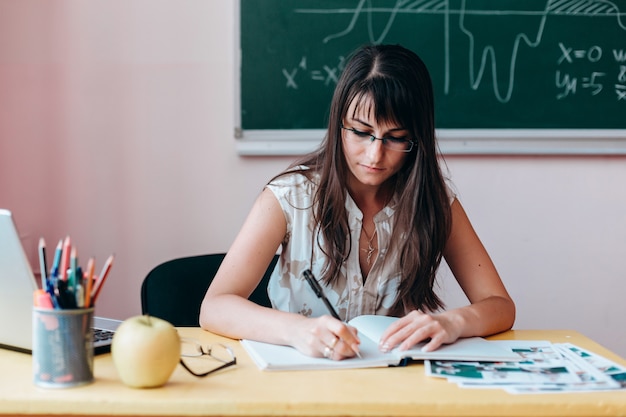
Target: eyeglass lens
396, 144
201, 361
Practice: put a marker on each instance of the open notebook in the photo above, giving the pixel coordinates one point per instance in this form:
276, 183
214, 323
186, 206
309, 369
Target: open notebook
17, 284
276, 358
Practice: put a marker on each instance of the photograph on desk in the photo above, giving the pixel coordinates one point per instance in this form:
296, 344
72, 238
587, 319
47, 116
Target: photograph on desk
544, 368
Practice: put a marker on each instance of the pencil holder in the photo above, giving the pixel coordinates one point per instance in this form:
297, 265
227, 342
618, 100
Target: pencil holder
62, 347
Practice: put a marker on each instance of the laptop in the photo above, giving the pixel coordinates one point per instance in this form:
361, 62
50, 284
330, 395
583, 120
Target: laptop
17, 284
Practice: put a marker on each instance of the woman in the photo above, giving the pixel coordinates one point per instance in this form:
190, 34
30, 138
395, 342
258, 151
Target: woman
370, 214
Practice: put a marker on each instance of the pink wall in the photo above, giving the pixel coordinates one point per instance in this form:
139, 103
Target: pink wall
116, 127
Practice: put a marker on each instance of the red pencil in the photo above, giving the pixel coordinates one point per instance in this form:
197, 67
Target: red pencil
101, 278
65, 258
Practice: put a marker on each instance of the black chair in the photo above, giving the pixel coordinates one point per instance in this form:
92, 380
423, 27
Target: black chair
174, 289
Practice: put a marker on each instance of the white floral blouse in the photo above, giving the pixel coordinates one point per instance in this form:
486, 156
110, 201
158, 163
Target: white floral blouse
289, 291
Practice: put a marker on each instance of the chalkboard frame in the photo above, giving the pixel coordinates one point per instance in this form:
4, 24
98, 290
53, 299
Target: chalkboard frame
287, 142
454, 141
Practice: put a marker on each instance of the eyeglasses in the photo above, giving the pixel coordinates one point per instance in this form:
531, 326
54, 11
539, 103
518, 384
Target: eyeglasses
194, 352
391, 143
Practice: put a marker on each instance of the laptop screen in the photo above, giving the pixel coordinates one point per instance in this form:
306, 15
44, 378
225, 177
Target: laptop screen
17, 284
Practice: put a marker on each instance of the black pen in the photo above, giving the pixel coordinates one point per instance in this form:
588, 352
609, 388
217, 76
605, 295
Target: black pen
308, 275
317, 289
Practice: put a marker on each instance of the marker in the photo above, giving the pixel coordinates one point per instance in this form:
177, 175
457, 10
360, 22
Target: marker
42, 299
79, 290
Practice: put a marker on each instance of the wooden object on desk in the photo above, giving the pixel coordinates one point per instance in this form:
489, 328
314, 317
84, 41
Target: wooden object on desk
244, 390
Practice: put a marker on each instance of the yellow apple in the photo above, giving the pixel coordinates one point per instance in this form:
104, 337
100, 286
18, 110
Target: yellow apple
145, 351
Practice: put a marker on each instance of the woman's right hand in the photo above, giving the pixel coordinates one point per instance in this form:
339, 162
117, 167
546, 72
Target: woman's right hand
326, 336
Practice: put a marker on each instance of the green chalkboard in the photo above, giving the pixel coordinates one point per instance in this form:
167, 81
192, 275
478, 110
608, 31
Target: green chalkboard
499, 64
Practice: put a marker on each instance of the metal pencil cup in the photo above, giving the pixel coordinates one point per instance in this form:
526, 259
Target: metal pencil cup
62, 347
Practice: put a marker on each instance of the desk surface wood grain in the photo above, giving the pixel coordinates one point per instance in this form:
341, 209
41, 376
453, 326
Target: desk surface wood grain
244, 390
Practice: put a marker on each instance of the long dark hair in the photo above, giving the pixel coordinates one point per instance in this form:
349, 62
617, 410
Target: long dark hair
399, 86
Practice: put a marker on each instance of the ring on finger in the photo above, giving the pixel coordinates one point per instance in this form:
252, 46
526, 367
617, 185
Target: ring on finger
327, 352
333, 343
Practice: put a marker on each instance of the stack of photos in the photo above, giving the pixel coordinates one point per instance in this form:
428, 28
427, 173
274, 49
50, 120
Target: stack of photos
544, 367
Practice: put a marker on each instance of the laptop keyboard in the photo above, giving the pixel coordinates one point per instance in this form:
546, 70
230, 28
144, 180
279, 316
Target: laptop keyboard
100, 335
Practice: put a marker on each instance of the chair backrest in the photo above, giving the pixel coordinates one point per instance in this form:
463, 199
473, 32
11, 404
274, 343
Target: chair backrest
174, 290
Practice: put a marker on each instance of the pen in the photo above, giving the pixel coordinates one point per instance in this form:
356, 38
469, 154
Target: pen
64, 297
42, 263
79, 289
317, 289
73, 269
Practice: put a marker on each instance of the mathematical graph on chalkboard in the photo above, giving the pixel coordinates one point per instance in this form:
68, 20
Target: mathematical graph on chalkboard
477, 68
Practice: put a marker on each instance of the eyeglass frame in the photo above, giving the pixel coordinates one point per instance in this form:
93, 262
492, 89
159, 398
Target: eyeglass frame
207, 352
384, 140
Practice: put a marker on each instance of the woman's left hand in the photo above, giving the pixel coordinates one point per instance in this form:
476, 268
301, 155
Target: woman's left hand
417, 327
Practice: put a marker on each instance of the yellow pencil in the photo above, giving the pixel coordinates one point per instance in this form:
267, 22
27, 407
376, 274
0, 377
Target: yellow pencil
91, 266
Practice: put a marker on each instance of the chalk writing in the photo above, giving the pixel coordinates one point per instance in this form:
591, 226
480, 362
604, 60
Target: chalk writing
326, 75
482, 61
495, 64
593, 82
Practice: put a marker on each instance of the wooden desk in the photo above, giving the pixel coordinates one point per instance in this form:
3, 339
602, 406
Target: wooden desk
245, 391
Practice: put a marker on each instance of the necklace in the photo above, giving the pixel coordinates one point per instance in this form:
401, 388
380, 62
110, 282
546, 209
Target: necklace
370, 249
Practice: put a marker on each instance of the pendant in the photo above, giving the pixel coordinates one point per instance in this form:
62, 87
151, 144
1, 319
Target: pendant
370, 252
370, 249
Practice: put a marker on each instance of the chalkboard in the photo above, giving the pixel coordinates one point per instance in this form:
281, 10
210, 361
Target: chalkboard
531, 65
